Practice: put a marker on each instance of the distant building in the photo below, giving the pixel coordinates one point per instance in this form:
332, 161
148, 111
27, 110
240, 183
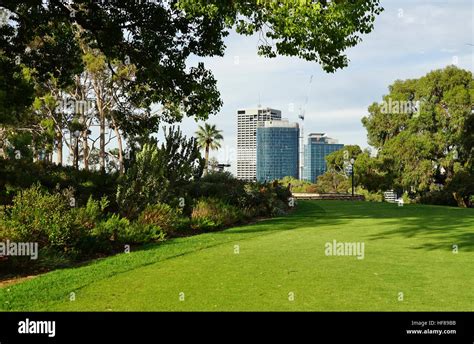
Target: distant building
277, 150
315, 152
247, 122
222, 167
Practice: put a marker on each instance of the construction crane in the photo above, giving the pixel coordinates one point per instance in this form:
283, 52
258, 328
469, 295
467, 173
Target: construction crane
301, 116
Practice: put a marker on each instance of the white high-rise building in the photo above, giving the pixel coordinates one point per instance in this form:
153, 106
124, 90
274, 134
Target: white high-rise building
247, 122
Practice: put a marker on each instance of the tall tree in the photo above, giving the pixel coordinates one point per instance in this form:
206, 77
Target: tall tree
158, 37
425, 136
337, 161
208, 138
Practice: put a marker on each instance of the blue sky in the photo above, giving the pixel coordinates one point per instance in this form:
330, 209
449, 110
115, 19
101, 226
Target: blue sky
411, 38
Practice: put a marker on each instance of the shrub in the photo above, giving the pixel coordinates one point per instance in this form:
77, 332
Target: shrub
90, 215
370, 196
143, 184
109, 229
332, 182
440, 197
16, 175
266, 199
138, 233
219, 185
256, 199
45, 218
119, 230
163, 216
211, 214
406, 198
205, 224
297, 185
160, 174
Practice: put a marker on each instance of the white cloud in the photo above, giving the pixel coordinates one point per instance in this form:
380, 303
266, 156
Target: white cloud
426, 37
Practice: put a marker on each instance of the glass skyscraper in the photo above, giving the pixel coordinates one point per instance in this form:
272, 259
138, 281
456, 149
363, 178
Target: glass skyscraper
247, 122
315, 152
277, 150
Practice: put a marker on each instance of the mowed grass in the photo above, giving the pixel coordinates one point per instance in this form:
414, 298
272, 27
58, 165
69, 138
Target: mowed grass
280, 265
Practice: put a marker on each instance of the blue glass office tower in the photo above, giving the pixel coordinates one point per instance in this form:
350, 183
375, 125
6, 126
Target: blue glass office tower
277, 150
315, 152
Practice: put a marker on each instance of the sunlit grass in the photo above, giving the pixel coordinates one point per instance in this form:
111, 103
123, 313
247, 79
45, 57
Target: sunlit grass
280, 264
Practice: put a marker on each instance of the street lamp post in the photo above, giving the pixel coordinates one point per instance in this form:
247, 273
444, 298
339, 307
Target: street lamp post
352, 173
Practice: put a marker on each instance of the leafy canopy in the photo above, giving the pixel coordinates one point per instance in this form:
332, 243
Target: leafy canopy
158, 37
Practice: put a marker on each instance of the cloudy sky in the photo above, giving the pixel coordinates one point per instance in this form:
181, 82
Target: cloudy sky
411, 38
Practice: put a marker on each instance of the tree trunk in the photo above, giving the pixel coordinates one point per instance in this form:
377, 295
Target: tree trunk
3, 146
206, 157
120, 145
100, 104
85, 149
72, 149
102, 139
59, 147
120, 151
460, 200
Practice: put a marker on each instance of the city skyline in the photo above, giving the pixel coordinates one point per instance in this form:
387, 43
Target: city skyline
337, 102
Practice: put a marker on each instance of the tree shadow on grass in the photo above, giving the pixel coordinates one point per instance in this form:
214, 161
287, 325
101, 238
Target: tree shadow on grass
442, 227
305, 215
446, 226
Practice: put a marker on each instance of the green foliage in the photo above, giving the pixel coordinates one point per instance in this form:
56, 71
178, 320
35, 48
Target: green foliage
208, 138
67, 235
92, 213
371, 172
64, 234
16, 175
266, 199
159, 174
461, 188
313, 30
117, 230
109, 229
370, 196
37, 216
298, 186
143, 184
138, 233
166, 34
161, 215
182, 160
333, 182
16, 92
438, 197
338, 160
19, 146
212, 214
406, 198
221, 185
423, 133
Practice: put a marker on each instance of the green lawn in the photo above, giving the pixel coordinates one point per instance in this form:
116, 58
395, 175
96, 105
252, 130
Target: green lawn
407, 250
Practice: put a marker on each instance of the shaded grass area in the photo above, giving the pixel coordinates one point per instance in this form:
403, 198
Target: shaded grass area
280, 264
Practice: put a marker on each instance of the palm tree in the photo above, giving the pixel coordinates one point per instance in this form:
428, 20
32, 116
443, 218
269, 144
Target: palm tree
208, 138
